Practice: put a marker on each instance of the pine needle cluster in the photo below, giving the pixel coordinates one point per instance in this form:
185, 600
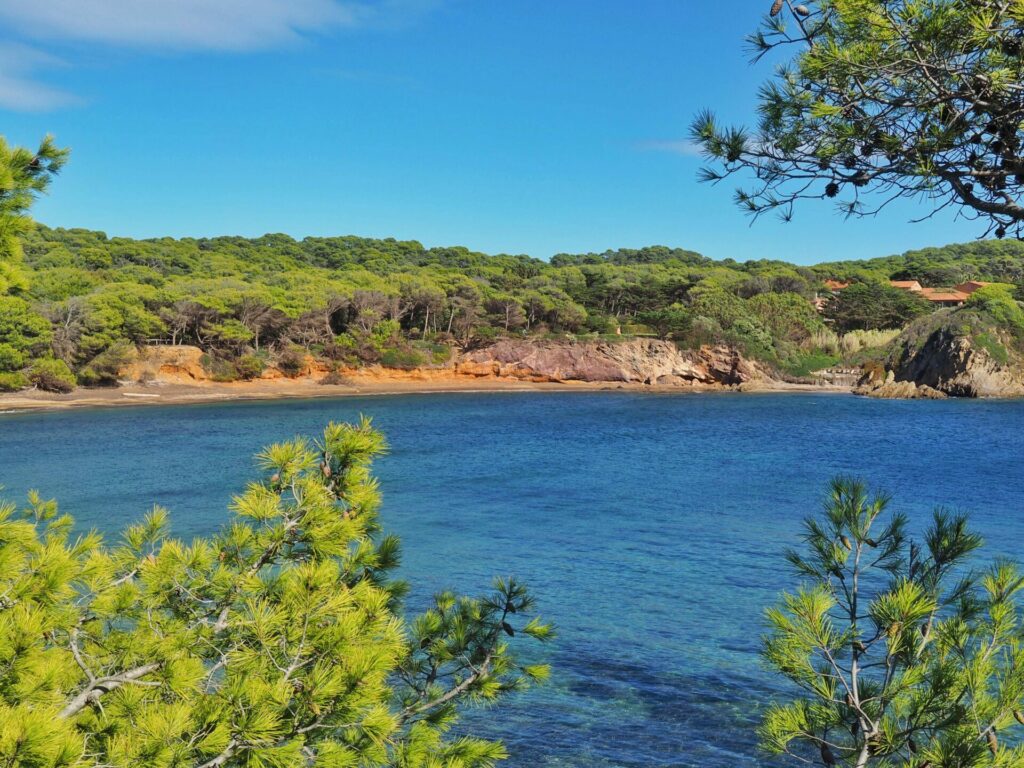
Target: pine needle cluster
902, 655
278, 642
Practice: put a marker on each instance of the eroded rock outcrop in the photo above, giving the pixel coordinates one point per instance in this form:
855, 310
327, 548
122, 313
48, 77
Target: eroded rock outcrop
962, 365
634, 361
178, 364
948, 354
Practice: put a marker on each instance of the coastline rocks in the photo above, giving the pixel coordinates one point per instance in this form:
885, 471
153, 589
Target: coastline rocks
634, 361
899, 390
961, 365
938, 357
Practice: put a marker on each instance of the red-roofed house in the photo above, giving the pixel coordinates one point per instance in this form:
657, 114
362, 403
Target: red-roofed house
907, 285
944, 297
971, 286
836, 285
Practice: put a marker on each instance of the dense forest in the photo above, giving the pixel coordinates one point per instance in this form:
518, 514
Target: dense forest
85, 301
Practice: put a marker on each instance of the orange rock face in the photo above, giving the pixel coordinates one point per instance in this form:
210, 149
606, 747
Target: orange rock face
633, 361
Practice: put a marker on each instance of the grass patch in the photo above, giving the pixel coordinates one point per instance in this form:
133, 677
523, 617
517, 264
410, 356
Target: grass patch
806, 364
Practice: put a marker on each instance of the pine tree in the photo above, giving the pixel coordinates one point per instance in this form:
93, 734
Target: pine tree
883, 100
901, 655
277, 642
23, 176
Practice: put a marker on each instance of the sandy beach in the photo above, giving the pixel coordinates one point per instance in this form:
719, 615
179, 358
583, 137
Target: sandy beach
278, 389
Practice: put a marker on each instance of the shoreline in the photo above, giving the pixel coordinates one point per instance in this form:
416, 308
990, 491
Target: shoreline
164, 394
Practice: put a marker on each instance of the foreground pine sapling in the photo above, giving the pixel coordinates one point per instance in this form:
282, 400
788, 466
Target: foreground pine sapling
901, 656
277, 642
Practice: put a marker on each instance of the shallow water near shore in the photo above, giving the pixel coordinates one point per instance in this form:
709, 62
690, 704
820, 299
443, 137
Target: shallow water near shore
651, 527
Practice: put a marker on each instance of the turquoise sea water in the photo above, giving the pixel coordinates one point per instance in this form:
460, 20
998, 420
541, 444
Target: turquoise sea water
650, 526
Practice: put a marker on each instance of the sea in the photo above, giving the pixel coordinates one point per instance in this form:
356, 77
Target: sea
651, 527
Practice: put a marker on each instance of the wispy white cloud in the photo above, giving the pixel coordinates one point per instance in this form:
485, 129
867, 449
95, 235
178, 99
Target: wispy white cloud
20, 88
683, 147
170, 25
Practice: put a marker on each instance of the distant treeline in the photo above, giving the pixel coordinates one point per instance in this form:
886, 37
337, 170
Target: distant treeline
248, 302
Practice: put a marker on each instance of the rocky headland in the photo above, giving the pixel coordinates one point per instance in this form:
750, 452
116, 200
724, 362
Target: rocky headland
954, 353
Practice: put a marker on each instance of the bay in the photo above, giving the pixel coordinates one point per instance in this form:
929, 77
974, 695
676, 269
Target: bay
651, 527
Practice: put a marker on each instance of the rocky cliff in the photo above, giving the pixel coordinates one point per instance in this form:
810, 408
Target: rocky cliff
630, 361
949, 354
633, 361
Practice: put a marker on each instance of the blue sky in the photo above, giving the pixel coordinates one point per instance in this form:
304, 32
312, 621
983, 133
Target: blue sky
520, 127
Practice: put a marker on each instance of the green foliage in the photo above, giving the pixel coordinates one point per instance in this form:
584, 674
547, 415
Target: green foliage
11, 358
993, 347
998, 302
401, 358
250, 367
24, 175
104, 369
365, 302
292, 361
52, 375
276, 642
672, 322
786, 316
884, 99
897, 654
874, 306
219, 369
12, 381
806, 363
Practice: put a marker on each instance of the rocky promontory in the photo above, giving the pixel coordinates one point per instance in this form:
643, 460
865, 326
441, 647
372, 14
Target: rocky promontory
952, 353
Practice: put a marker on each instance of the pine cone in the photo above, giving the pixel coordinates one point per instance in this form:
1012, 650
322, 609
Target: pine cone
776, 7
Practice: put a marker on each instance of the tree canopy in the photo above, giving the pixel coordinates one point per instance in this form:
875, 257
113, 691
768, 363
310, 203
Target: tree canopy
23, 176
896, 652
885, 99
277, 642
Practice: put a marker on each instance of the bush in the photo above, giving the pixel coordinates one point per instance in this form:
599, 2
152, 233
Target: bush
12, 382
219, 369
11, 358
336, 378
403, 359
104, 369
52, 375
998, 301
292, 361
250, 367
809, 362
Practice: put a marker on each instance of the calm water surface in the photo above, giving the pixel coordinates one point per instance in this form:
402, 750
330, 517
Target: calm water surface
650, 526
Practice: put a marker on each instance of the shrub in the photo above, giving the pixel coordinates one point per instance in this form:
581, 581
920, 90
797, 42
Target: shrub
11, 358
292, 361
998, 301
807, 363
219, 369
250, 367
104, 369
404, 359
336, 378
52, 375
12, 382
991, 345
385, 332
